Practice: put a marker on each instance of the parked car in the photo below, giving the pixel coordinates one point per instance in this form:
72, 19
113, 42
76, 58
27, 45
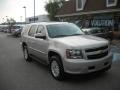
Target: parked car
16, 31
100, 32
5, 29
65, 48
0, 29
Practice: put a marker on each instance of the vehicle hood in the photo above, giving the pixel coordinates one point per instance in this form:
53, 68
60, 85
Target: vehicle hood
82, 41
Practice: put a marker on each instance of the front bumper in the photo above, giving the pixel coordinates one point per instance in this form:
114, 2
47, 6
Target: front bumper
81, 66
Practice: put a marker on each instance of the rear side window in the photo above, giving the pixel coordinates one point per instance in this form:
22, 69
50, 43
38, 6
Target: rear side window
25, 29
40, 29
32, 30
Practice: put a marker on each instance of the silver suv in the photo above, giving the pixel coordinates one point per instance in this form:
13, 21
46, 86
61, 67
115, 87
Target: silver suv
65, 48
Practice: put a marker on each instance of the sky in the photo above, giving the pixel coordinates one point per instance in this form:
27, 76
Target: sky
14, 9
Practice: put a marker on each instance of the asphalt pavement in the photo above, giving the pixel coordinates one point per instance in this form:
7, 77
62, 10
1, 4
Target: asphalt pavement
17, 74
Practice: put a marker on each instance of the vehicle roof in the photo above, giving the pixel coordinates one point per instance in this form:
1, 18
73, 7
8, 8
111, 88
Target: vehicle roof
48, 23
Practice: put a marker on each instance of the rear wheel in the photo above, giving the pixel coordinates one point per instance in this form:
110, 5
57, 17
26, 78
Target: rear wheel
26, 54
56, 68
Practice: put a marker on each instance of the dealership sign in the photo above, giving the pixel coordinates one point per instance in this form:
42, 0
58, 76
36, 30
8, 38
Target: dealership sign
100, 23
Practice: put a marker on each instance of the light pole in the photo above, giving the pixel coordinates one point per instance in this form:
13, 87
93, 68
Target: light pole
34, 11
20, 18
6, 18
25, 13
3, 20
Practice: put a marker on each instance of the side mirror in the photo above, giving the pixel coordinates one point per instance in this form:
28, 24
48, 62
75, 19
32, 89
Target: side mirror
39, 35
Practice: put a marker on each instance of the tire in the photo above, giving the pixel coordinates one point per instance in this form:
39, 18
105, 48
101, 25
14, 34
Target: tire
26, 54
56, 68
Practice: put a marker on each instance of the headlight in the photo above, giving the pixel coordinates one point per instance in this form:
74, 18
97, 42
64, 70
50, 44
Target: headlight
74, 54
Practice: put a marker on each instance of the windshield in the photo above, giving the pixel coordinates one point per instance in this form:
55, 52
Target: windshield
63, 30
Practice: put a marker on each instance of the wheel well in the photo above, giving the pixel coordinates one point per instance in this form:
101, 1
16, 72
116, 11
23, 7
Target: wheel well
24, 44
51, 53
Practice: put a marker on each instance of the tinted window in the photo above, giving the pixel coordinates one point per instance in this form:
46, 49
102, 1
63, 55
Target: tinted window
32, 30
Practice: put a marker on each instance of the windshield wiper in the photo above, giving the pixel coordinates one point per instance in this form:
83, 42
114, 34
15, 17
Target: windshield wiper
75, 34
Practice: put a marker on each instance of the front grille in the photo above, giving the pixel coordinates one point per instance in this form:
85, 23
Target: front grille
97, 56
96, 49
97, 53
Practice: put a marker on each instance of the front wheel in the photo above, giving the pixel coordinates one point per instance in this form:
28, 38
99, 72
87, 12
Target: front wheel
26, 54
56, 68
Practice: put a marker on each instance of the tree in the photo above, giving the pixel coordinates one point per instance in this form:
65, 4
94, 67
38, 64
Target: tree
52, 7
11, 22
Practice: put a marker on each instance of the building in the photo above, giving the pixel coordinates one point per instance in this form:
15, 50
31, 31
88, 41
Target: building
92, 13
39, 18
